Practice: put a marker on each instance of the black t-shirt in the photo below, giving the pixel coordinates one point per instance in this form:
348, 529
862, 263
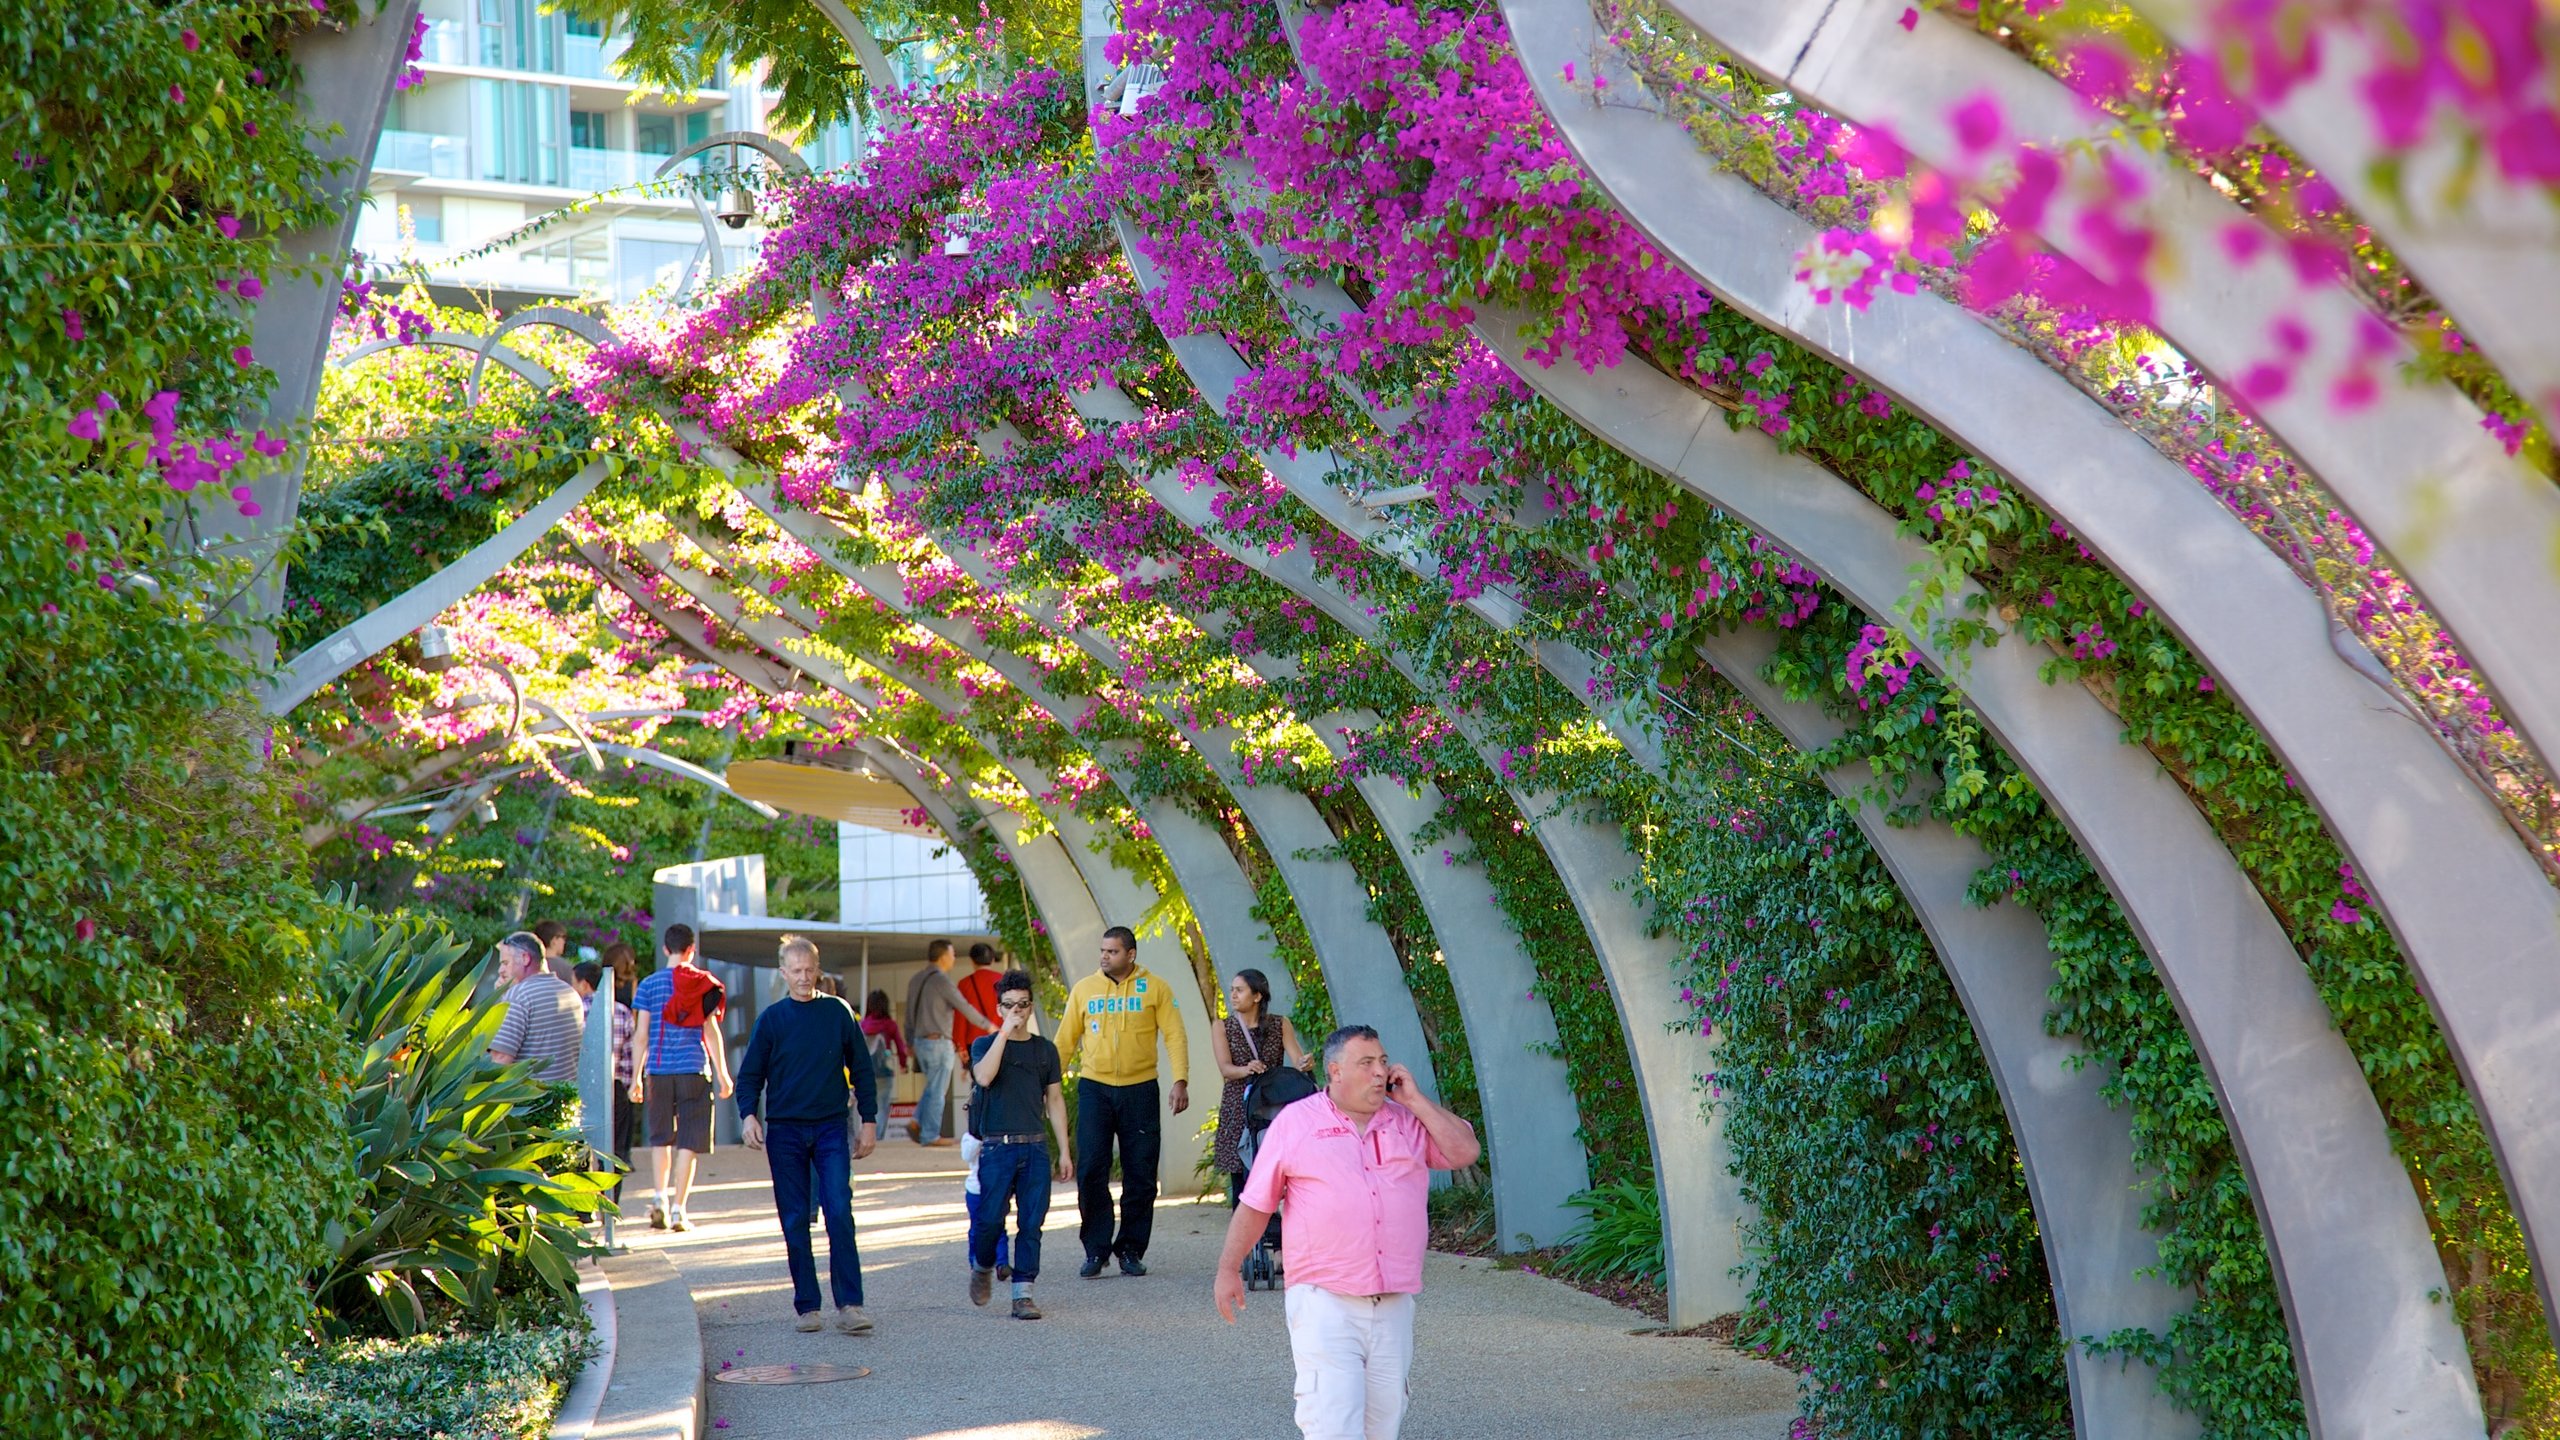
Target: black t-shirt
1012, 1105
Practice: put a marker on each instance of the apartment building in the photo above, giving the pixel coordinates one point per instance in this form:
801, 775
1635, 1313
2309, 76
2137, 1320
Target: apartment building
519, 114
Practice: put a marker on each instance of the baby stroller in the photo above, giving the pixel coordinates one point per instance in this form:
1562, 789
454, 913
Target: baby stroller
1264, 1098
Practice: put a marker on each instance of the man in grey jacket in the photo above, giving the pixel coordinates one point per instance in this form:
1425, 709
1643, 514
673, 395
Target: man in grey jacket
932, 999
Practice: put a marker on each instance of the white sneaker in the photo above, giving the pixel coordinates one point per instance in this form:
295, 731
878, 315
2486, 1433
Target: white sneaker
810, 1322
851, 1320
676, 1220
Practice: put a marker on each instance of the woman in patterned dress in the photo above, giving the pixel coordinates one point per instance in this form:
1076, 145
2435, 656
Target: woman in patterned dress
1252, 1042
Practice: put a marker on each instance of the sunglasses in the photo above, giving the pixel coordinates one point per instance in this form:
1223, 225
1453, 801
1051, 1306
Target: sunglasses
1013, 1004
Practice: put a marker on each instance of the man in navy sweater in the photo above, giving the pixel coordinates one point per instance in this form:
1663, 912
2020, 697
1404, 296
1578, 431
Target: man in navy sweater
791, 1105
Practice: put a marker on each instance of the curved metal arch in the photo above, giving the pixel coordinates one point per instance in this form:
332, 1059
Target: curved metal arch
1529, 1108
485, 347
1113, 890
713, 251
368, 635
2473, 530
2353, 1260
1055, 885
1701, 1207
578, 323
1211, 880
2479, 922
1350, 948
2491, 258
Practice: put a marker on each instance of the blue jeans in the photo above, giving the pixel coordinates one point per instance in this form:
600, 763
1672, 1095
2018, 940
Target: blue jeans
1019, 1173
977, 1203
803, 1153
935, 1057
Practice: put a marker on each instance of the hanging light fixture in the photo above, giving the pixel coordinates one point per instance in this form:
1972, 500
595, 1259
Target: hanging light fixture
737, 204
435, 648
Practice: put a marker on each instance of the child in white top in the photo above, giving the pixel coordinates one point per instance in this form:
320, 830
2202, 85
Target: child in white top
970, 1145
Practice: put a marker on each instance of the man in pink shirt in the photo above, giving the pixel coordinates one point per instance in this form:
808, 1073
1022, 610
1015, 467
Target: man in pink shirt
1353, 1165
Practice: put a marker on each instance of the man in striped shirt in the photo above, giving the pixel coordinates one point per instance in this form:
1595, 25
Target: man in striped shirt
545, 1019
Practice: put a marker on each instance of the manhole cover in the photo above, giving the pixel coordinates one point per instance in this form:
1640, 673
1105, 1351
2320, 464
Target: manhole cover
790, 1374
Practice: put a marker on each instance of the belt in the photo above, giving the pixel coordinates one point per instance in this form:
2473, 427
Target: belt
1014, 1139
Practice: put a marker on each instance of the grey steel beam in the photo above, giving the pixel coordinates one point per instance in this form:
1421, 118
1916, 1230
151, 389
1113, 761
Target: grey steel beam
379, 629
2487, 249
2471, 528
2479, 922
2378, 1353
347, 71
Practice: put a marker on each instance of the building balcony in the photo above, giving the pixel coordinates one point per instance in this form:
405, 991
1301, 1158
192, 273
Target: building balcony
416, 152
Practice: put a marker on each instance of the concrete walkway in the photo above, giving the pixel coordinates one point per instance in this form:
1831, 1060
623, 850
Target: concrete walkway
1500, 1353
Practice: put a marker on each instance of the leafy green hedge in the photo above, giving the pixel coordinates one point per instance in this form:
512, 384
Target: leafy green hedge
169, 1142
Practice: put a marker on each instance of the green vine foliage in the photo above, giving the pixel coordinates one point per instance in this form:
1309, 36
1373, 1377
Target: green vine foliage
1895, 1254
172, 1140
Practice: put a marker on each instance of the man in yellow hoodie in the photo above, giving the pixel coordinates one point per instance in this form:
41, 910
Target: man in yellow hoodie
1114, 1019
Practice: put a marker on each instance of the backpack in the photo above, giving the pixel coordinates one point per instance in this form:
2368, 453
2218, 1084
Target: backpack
884, 1057
696, 999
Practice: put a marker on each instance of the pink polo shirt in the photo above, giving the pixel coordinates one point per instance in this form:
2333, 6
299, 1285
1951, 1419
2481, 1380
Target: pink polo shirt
1358, 1204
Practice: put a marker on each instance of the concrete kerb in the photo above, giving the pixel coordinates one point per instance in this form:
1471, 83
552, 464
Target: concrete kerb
586, 1394
655, 1379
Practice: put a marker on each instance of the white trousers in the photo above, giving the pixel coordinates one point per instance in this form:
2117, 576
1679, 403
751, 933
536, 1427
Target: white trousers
1353, 1357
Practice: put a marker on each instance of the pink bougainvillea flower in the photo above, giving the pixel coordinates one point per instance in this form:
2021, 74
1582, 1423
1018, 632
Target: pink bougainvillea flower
2528, 147
249, 128
74, 541
2099, 71
229, 225
84, 929
1977, 123
2208, 119
2345, 914
241, 357
1873, 153
1910, 18
106, 582
83, 426
177, 96
191, 40
73, 327
268, 445
251, 288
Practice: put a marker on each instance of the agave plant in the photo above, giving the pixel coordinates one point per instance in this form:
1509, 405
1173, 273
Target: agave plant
463, 1180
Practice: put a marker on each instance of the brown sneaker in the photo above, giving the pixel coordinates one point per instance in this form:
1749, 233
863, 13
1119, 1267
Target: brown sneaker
1024, 1309
982, 1285
851, 1320
940, 1143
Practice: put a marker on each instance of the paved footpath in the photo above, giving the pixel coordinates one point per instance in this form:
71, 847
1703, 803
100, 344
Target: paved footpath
1499, 1353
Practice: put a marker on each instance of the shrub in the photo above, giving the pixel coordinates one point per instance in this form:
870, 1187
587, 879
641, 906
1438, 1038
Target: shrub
465, 1176
1619, 1236
501, 1383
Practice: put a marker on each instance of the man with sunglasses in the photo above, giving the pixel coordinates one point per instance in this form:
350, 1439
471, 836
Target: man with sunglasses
1020, 1081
